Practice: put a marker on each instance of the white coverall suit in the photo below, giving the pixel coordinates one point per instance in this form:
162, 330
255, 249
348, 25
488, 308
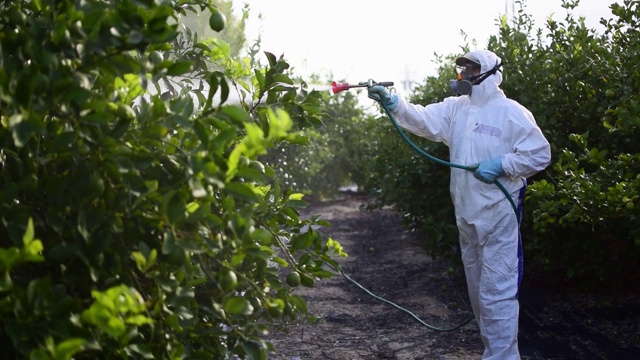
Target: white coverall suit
479, 127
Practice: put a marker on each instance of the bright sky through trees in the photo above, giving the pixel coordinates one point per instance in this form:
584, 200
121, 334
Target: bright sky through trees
355, 40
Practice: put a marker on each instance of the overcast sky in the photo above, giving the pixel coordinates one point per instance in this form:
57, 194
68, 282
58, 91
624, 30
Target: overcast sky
357, 40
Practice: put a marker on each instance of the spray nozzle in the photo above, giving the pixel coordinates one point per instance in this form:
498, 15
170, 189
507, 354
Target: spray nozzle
336, 87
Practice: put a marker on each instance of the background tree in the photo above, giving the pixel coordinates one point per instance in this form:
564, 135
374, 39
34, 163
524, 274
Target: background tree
199, 22
580, 221
337, 151
581, 87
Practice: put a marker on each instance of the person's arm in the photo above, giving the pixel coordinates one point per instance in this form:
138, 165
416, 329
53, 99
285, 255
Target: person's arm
431, 121
531, 152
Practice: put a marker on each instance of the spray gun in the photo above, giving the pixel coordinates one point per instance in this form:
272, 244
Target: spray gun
336, 87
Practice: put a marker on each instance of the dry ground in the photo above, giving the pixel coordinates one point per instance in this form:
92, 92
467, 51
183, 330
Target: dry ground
390, 263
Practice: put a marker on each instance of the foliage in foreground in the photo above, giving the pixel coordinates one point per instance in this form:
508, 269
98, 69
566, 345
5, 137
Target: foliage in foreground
135, 223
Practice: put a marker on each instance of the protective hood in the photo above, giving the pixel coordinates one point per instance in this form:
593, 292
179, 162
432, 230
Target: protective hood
487, 61
485, 58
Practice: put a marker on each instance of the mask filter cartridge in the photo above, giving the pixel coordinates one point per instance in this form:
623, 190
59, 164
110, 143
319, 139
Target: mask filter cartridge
462, 85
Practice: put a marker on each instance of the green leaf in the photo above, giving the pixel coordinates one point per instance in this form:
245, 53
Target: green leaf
142, 350
9, 258
78, 95
213, 88
63, 141
24, 130
299, 303
173, 206
236, 114
179, 68
296, 196
223, 138
280, 261
138, 320
68, 348
291, 213
263, 236
202, 131
39, 355
242, 191
224, 91
238, 305
306, 280
279, 124
5, 281
260, 78
296, 204
29, 233
301, 241
192, 206
253, 351
271, 58
141, 261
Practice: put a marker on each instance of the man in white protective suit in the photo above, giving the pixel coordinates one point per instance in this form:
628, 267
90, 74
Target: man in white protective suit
482, 126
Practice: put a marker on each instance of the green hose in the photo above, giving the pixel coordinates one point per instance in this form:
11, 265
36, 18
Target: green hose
431, 327
446, 163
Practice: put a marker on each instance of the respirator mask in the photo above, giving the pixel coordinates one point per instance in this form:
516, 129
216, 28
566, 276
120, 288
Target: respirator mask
466, 80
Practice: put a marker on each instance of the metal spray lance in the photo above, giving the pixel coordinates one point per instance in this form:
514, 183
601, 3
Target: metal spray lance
336, 87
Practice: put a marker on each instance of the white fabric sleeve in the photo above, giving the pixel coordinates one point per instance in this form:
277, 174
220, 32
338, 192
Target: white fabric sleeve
531, 152
431, 121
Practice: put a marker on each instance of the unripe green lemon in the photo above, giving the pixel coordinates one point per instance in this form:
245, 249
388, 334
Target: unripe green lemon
257, 165
275, 308
228, 280
217, 21
293, 278
255, 302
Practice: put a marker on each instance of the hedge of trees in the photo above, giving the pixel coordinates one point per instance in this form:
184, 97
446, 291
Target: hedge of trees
581, 218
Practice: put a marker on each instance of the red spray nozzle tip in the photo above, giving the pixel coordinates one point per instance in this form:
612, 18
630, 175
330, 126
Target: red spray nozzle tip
336, 87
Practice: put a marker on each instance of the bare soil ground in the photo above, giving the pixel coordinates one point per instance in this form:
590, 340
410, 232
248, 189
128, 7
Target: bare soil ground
391, 264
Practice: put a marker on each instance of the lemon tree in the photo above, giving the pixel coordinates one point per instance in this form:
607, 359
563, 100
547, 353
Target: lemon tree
581, 86
137, 220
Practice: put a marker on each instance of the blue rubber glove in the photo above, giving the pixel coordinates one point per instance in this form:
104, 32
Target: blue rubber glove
381, 94
488, 171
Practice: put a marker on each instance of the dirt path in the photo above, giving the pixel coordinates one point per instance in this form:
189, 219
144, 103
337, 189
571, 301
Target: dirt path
390, 262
